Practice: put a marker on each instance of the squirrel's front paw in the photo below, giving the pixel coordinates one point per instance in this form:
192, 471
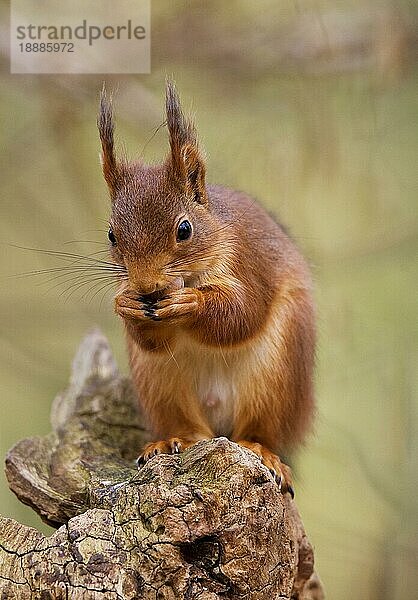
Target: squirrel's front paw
179, 305
129, 306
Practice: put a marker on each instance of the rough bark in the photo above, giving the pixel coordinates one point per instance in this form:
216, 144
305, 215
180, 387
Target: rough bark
207, 524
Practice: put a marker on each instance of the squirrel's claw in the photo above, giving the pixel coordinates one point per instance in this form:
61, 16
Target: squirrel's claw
279, 471
277, 478
140, 461
129, 307
170, 446
174, 307
176, 447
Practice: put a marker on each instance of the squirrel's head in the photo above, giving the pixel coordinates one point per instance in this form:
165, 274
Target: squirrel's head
161, 228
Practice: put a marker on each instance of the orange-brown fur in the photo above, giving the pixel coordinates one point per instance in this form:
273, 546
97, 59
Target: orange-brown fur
232, 350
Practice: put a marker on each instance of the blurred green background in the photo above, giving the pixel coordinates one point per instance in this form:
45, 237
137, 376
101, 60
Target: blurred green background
313, 108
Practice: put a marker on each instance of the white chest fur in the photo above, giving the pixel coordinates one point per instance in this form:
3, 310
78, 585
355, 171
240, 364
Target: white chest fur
212, 377
214, 386
220, 378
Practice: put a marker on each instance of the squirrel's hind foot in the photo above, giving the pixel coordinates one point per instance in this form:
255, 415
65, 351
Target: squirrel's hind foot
173, 445
280, 472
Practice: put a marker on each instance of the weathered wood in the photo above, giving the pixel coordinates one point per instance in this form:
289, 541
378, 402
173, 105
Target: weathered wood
207, 524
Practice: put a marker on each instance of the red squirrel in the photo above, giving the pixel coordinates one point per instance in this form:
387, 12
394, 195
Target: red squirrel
216, 303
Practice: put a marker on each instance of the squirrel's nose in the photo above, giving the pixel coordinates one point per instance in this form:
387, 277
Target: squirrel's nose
144, 280
145, 288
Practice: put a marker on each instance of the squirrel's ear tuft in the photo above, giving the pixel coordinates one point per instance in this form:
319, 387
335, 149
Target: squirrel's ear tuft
181, 130
106, 128
186, 161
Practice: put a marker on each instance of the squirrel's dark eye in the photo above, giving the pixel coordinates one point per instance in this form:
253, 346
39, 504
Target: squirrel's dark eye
184, 231
111, 236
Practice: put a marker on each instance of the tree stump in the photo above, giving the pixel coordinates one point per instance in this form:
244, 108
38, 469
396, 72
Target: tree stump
209, 523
